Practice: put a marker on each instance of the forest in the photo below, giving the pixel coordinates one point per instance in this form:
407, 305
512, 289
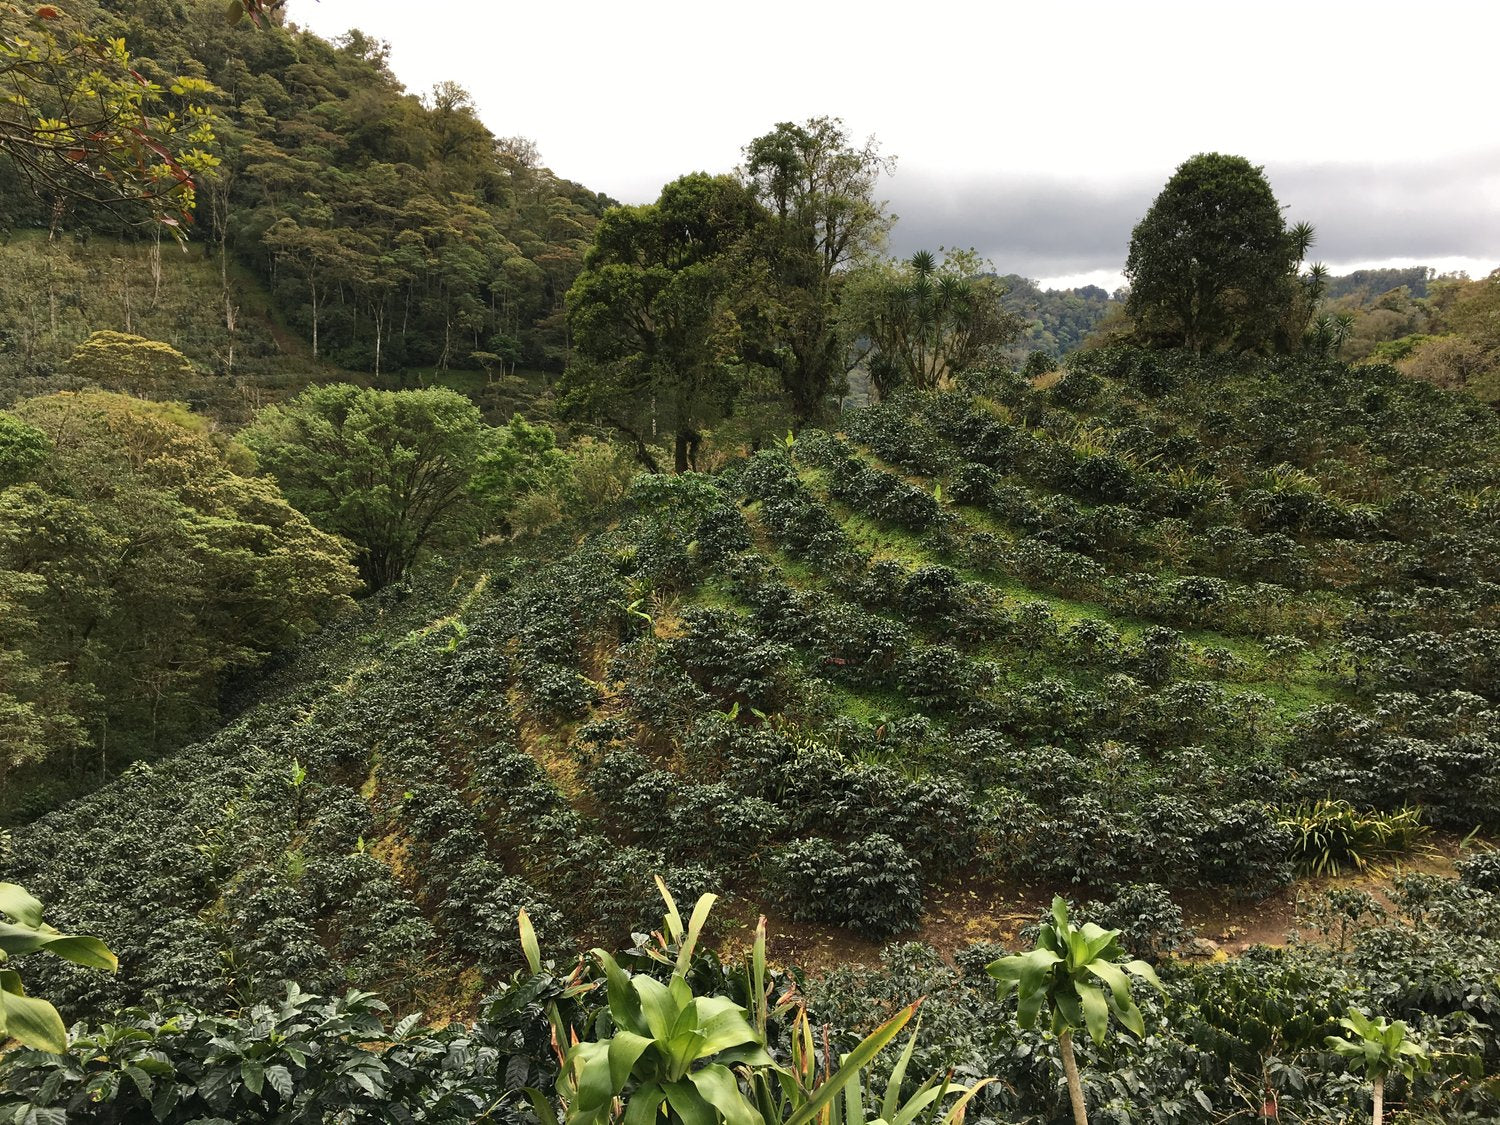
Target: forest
471, 650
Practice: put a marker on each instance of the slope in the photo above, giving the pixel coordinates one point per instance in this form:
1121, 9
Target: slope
1108, 633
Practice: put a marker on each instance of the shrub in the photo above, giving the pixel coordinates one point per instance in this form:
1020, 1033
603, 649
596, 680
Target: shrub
1332, 836
870, 885
1480, 871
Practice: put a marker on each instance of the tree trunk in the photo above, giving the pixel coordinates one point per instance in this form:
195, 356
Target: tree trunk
1075, 1087
1379, 1098
680, 463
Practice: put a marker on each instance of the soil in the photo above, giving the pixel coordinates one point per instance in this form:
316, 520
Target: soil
968, 910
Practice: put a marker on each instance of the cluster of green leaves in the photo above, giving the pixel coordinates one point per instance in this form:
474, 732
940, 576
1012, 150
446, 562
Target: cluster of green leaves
80, 121
140, 564
1331, 837
29, 1019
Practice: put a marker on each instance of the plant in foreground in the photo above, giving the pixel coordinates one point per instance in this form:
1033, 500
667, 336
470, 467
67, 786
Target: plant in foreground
672, 1056
1076, 973
29, 1019
1379, 1047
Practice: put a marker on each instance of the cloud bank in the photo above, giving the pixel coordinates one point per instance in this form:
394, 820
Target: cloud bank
1041, 226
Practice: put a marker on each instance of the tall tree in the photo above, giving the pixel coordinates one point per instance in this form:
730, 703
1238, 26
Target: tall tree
654, 315
156, 566
1210, 264
389, 470
819, 190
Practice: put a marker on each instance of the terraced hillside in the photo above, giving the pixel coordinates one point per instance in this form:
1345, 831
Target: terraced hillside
1112, 632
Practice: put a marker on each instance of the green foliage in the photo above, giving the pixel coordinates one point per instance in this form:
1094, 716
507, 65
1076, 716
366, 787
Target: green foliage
669, 1047
118, 361
28, 1019
925, 322
1077, 975
1209, 265
139, 568
82, 122
1331, 836
870, 884
392, 471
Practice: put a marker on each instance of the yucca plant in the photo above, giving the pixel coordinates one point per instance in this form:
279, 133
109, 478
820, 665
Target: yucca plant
1077, 974
30, 1019
1330, 836
1379, 1047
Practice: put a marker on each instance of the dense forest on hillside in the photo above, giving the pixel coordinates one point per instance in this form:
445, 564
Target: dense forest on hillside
922, 696
392, 230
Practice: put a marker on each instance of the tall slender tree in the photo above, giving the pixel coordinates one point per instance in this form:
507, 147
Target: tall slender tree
818, 187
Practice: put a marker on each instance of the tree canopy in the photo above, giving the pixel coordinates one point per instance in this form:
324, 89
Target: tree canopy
1211, 263
137, 567
389, 470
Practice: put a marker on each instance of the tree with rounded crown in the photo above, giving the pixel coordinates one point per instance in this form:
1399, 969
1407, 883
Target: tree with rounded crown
1379, 1047
1077, 974
1213, 265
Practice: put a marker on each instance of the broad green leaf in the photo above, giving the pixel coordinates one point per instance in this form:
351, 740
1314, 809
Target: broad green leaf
688, 1104
624, 998
1146, 973
625, 1048
20, 905
1095, 1009
718, 1087
32, 1021
643, 1105
695, 927
253, 1075
529, 946
595, 1087
658, 1008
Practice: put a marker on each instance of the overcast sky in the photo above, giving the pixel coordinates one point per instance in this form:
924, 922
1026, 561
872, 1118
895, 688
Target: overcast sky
1037, 134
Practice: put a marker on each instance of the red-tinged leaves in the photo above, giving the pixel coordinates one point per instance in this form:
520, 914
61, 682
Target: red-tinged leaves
48, 12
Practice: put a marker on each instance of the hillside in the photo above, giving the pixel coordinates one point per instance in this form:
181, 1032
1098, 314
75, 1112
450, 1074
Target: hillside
59, 291
375, 229
1106, 634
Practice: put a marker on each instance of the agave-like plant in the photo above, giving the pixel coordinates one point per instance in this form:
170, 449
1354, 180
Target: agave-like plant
1379, 1047
30, 1019
1077, 974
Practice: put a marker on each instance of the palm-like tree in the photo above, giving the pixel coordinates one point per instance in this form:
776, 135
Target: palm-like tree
1077, 974
1379, 1047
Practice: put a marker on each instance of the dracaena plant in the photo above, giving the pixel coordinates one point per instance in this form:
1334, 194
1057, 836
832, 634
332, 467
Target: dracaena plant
29, 1019
1079, 975
1379, 1047
677, 1058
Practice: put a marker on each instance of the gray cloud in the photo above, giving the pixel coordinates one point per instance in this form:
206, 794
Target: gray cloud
1046, 227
